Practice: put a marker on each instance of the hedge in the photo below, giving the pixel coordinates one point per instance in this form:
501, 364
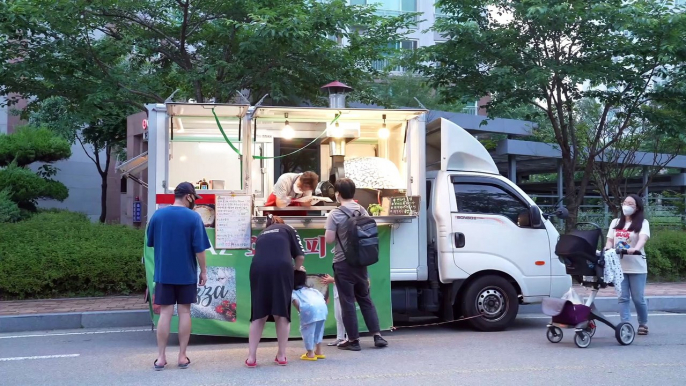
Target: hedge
63, 254
666, 253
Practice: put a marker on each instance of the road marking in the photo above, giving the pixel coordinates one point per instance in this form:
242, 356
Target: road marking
609, 315
73, 333
39, 357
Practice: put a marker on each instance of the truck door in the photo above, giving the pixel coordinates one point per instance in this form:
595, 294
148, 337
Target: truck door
490, 229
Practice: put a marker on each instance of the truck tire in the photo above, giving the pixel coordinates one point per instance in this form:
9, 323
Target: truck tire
495, 298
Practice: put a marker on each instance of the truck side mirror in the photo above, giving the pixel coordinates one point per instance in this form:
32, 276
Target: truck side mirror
524, 219
562, 213
535, 217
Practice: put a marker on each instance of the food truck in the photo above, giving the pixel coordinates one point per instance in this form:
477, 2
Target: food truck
456, 238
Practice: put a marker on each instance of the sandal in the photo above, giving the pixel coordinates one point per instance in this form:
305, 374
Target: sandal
156, 367
335, 342
642, 330
281, 363
185, 365
320, 356
251, 365
306, 358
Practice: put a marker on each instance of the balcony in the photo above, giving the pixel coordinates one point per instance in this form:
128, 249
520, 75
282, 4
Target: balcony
471, 110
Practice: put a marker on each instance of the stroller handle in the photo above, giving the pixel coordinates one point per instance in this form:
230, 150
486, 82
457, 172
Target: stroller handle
621, 252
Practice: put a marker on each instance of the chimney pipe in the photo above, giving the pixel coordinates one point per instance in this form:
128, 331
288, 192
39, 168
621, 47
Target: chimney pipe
337, 94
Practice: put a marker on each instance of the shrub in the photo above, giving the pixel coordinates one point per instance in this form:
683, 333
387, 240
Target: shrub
666, 253
59, 253
9, 211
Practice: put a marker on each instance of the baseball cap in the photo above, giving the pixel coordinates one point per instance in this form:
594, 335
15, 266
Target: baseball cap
186, 188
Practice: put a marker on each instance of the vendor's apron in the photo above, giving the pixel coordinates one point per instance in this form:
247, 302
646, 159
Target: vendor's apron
271, 201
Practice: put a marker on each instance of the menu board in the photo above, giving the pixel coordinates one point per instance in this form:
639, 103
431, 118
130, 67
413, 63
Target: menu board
400, 206
233, 221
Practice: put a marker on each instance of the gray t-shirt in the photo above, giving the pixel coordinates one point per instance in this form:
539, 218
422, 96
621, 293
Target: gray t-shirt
337, 217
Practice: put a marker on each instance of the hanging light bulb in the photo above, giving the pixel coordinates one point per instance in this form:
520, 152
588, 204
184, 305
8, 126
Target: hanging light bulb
383, 131
287, 131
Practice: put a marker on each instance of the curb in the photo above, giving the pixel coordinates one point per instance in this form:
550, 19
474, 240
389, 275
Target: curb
609, 304
141, 318
75, 320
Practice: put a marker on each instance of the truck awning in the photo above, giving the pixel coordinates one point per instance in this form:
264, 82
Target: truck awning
134, 166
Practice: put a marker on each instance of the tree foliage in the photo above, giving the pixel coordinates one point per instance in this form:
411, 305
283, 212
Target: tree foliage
208, 49
19, 150
552, 54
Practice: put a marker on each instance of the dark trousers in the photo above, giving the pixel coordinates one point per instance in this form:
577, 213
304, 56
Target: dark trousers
353, 286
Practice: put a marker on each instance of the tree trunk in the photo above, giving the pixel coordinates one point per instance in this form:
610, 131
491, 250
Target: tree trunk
103, 197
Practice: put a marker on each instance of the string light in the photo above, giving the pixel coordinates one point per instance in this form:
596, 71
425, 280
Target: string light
287, 132
383, 131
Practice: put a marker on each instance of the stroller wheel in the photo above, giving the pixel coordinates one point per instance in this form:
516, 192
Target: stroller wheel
625, 333
582, 339
554, 334
591, 328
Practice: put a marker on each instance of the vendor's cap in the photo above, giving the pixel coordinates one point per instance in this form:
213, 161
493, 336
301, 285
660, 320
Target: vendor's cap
186, 188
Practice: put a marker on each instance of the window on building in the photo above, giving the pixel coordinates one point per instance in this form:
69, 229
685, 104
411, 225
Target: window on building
401, 45
390, 5
488, 199
123, 185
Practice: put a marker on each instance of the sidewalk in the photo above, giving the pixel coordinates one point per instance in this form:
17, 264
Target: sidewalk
51, 306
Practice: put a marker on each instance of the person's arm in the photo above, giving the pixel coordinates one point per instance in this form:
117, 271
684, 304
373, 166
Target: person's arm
643, 237
296, 304
281, 189
327, 279
330, 234
297, 249
200, 244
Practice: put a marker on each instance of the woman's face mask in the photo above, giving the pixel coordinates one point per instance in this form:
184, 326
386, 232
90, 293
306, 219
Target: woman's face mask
628, 210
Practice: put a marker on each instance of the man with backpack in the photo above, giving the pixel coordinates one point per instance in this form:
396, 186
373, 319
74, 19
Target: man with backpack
357, 246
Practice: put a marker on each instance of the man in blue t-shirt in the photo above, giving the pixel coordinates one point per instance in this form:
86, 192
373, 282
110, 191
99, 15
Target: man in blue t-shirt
178, 235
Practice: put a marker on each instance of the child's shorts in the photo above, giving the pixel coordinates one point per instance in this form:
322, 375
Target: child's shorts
313, 334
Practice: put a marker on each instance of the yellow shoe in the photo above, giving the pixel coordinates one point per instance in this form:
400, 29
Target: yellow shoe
306, 358
322, 356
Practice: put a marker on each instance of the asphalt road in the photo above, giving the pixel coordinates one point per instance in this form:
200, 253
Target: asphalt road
416, 356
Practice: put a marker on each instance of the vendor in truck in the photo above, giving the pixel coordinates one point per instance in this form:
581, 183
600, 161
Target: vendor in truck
289, 189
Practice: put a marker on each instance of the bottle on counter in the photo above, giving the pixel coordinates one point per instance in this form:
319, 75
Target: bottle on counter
204, 185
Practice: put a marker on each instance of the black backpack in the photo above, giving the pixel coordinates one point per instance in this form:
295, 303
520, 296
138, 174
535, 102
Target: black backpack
362, 246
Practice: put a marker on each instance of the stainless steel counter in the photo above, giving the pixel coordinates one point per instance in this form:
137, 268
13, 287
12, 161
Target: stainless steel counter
318, 222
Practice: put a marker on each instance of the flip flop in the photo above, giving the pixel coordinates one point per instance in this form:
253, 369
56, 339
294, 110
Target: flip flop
250, 365
306, 358
281, 363
185, 365
156, 367
321, 356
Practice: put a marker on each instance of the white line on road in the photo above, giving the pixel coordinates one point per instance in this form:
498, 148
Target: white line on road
73, 333
39, 357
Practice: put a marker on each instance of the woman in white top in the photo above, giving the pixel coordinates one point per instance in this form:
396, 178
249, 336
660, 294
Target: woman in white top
631, 232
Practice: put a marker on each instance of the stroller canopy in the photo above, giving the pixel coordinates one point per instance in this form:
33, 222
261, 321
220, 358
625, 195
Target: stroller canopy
578, 243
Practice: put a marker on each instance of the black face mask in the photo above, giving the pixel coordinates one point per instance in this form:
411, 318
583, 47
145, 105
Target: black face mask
191, 203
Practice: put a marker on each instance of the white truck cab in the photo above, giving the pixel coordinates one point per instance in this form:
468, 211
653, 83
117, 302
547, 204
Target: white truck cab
489, 246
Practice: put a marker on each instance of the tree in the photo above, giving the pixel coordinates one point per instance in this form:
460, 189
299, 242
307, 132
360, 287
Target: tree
208, 50
25, 147
644, 142
99, 129
550, 55
401, 91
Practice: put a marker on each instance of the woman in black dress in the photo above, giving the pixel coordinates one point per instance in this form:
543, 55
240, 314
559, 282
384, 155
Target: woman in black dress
271, 284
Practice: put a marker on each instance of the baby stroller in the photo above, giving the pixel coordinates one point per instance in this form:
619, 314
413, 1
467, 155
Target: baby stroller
577, 250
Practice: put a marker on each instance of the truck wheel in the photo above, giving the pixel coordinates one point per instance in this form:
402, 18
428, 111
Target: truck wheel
495, 299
